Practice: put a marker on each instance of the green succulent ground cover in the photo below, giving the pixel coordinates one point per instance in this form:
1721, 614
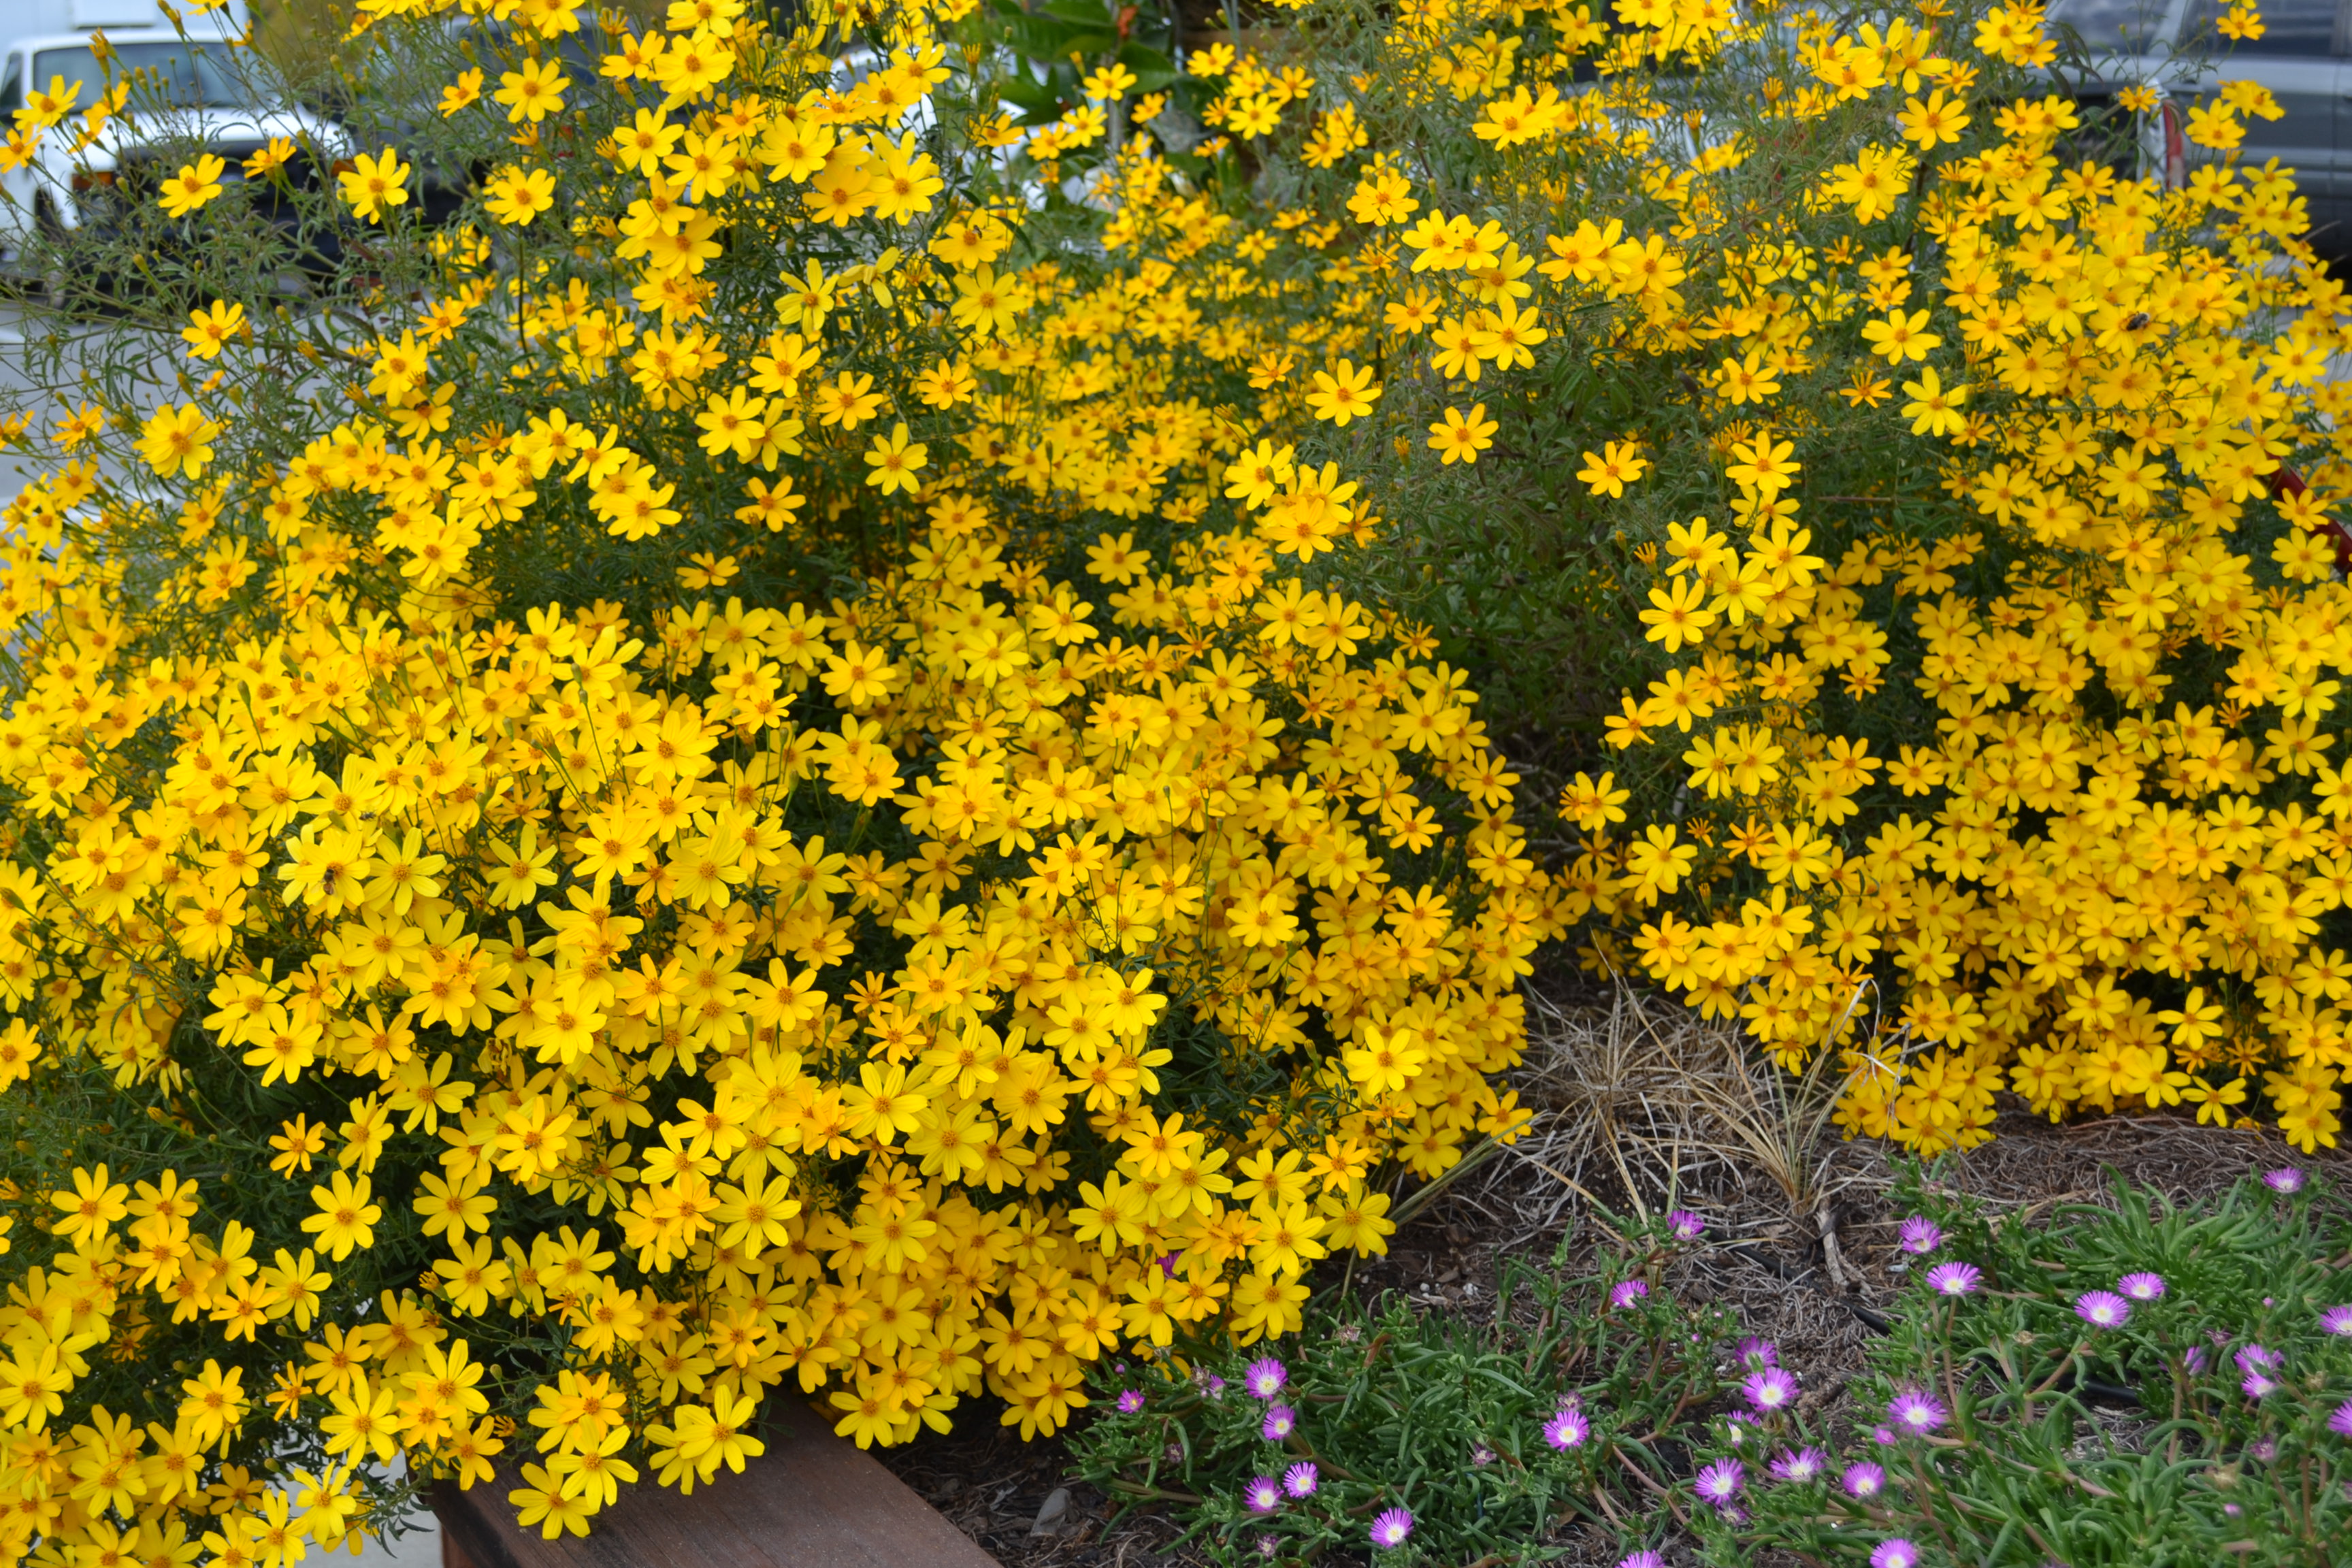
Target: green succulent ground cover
2129, 1382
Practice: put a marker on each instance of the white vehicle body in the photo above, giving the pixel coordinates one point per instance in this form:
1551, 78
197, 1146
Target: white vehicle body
198, 87
23, 18
2304, 58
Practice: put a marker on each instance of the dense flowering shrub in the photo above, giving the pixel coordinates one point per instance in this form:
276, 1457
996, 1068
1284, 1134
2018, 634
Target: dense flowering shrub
470, 1001
774, 757
1972, 500
2050, 756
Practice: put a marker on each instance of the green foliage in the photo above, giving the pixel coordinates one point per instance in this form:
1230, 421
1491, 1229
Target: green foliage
2213, 1426
1454, 1422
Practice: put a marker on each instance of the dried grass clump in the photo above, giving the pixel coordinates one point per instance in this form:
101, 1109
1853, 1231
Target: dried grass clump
1643, 1097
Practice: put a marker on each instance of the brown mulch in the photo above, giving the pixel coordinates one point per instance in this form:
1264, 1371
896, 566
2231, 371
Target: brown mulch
991, 1486
1615, 1125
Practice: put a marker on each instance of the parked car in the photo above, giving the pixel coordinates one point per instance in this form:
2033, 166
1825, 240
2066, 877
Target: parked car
393, 94
197, 92
2304, 58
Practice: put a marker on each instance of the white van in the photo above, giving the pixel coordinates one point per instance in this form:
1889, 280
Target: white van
23, 18
2304, 58
197, 84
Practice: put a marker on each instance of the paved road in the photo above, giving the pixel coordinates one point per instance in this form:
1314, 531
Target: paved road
25, 380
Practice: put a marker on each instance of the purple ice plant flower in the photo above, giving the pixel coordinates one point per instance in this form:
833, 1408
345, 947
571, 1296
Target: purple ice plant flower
2142, 1286
2285, 1180
1645, 1558
1896, 1554
1625, 1292
1215, 1387
1482, 1456
1770, 1390
1130, 1401
1955, 1278
1920, 1236
1392, 1527
2258, 1384
1864, 1482
1301, 1479
1269, 1545
1756, 1355
2197, 1362
1720, 1482
1566, 1429
2103, 1309
2262, 1448
1264, 1377
2257, 1357
2341, 1422
1685, 1225
1799, 1465
2336, 1321
1281, 1421
1916, 1412
1262, 1494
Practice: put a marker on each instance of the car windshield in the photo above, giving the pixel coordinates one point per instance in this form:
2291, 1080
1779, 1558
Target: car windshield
2126, 25
191, 75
